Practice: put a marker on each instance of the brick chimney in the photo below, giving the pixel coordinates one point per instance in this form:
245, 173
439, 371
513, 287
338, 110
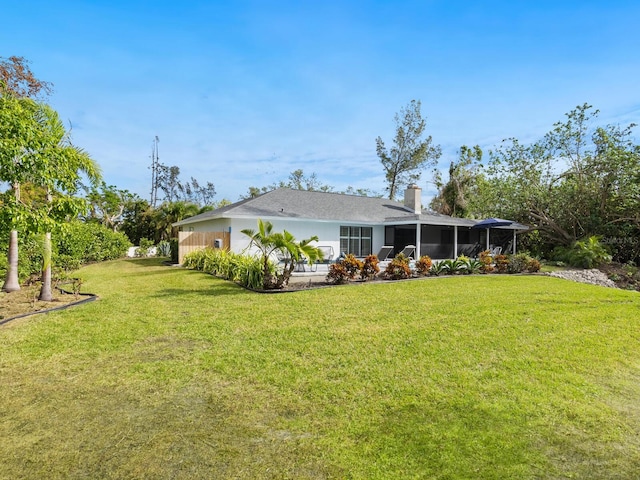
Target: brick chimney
413, 198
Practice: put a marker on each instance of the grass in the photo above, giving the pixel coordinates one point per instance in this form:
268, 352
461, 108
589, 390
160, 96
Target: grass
176, 374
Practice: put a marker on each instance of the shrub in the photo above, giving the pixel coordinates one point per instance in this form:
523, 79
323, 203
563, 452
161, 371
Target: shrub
88, 242
145, 246
452, 267
437, 268
486, 260
423, 265
245, 270
501, 262
352, 265
163, 249
533, 265
518, 263
370, 267
398, 268
587, 253
347, 269
470, 265
338, 274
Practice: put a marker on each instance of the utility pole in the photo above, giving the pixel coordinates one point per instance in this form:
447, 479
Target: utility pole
155, 161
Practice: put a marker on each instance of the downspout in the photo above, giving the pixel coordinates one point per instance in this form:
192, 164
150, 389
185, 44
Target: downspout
418, 240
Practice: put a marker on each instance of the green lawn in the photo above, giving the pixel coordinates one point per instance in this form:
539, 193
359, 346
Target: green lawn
176, 374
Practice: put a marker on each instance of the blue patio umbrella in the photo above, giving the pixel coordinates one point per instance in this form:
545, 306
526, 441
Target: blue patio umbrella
491, 223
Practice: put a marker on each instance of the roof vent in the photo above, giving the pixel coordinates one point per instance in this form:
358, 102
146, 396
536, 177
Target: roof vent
413, 198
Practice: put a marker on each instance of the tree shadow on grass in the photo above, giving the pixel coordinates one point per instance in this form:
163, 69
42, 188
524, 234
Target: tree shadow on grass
218, 290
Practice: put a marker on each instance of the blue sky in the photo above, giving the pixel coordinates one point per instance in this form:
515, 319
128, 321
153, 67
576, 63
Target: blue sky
241, 93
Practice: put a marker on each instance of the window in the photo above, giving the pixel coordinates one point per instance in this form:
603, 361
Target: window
356, 240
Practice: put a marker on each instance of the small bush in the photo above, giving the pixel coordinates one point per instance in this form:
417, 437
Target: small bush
352, 265
338, 274
533, 265
145, 246
518, 263
487, 262
423, 265
501, 263
163, 249
398, 268
438, 268
370, 267
347, 269
470, 265
452, 267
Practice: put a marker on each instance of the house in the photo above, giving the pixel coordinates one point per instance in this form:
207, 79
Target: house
354, 224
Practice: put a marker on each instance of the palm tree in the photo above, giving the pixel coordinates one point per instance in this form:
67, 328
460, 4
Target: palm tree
66, 164
284, 245
17, 164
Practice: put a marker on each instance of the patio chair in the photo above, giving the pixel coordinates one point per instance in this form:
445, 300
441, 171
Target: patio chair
327, 254
496, 251
384, 253
409, 251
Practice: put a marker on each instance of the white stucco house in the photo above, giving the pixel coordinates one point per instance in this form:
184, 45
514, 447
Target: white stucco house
354, 224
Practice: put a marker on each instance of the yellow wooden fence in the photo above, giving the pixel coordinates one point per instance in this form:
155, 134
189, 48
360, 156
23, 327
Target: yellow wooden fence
191, 241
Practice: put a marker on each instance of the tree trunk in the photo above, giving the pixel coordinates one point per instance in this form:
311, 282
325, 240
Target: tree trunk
45, 291
11, 283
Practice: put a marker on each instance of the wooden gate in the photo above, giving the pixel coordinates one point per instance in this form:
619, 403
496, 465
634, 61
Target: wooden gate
191, 241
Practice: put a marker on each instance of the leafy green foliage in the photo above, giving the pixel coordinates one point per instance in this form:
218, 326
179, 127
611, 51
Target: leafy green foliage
594, 169
453, 197
453, 266
410, 153
243, 269
145, 247
588, 253
286, 247
78, 243
163, 249
438, 268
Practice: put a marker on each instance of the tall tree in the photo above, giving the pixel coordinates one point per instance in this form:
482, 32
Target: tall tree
18, 139
17, 83
411, 152
578, 181
454, 196
63, 167
17, 79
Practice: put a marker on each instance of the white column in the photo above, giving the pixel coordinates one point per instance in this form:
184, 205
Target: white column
418, 240
487, 238
455, 241
514, 242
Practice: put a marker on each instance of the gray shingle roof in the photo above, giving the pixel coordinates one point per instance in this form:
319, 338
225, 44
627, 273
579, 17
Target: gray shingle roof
324, 206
